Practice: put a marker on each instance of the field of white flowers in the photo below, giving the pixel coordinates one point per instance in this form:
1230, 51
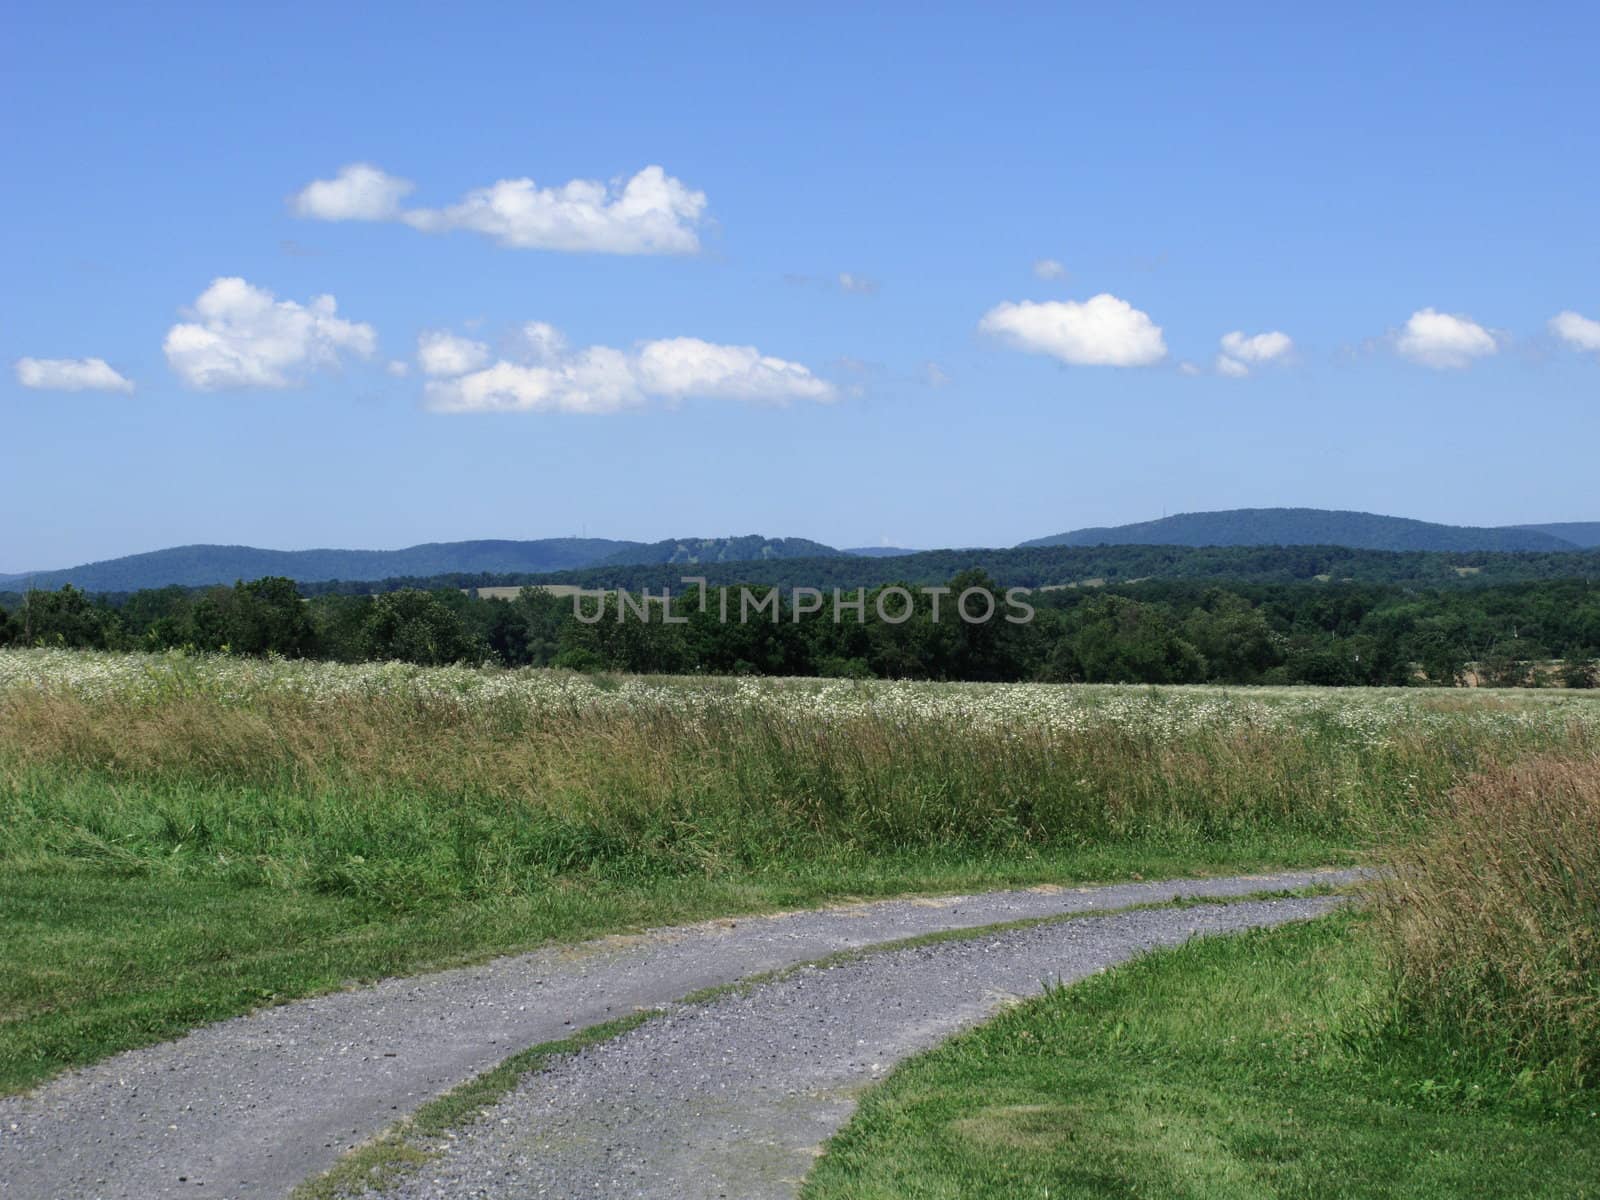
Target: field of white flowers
1158, 713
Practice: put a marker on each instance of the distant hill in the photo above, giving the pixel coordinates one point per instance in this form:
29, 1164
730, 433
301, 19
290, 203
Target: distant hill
1313, 527
1579, 533
589, 560
695, 551
198, 566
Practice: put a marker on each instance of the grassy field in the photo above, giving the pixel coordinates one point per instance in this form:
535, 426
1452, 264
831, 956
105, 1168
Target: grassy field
1243, 1067
1443, 1040
185, 838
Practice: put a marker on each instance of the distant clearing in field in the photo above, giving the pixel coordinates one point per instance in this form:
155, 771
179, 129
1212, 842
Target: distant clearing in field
511, 593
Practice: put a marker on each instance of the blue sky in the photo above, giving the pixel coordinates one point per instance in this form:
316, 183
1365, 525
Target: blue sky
869, 200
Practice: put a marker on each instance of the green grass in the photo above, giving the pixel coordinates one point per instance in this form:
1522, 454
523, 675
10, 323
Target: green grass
182, 839
1242, 1067
97, 961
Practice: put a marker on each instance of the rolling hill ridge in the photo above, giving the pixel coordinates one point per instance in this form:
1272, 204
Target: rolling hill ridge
204, 565
1319, 527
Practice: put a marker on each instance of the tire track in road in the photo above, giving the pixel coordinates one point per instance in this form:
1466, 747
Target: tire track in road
734, 1097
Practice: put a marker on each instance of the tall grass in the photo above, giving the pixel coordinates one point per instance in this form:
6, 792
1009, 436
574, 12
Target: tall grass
428, 785
1492, 918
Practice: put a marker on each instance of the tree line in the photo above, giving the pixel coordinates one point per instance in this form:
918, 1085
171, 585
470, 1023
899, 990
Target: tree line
1150, 632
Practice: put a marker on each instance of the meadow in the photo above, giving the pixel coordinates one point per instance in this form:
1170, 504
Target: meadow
186, 837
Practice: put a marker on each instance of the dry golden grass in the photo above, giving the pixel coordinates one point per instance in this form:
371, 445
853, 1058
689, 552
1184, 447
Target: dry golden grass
1492, 919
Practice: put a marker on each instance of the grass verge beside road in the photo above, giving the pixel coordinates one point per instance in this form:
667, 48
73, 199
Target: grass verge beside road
97, 963
1249, 1066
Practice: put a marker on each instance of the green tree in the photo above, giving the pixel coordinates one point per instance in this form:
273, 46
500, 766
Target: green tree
1124, 641
263, 616
67, 617
418, 627
1235, 639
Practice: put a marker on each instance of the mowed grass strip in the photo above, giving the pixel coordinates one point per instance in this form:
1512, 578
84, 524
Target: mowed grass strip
1247, 1066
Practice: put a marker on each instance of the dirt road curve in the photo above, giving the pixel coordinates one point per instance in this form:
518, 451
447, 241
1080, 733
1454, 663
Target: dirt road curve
250, 1107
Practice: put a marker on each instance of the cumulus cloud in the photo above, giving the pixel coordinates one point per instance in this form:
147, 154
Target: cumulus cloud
1576, 330
398, 367
860, 285
686, 366
651, 213
1049, 268
1444, 340
440, 353
359, 192
1239, 350
601, 379
543, 341
70, 375
934, 375
244, 337
1257, 348
1101, 331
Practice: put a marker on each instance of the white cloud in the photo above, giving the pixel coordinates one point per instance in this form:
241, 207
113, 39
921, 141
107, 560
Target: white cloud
398, 367
1444, 340
858, 284
1100, 331
544, 342
1188, 368
1049, 268
360, 192
600, 379
1239, 350
243, 337
70, 375
440, 353
934, 375
1576, 330
686, 366
597, 380
1257, 348
651, 213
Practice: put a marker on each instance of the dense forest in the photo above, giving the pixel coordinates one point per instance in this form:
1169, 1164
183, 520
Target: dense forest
1047, 566
1158, 631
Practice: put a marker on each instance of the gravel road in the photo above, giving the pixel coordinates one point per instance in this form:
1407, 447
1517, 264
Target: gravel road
734, 1098
248, 1108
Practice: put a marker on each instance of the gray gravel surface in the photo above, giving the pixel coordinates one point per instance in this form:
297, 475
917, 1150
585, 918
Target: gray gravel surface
733, 1098
252, 1106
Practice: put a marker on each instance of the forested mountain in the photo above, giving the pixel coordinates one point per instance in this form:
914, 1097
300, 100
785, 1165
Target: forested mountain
198, 566
1315, 527
1580, 533
695, 551
1274, 545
